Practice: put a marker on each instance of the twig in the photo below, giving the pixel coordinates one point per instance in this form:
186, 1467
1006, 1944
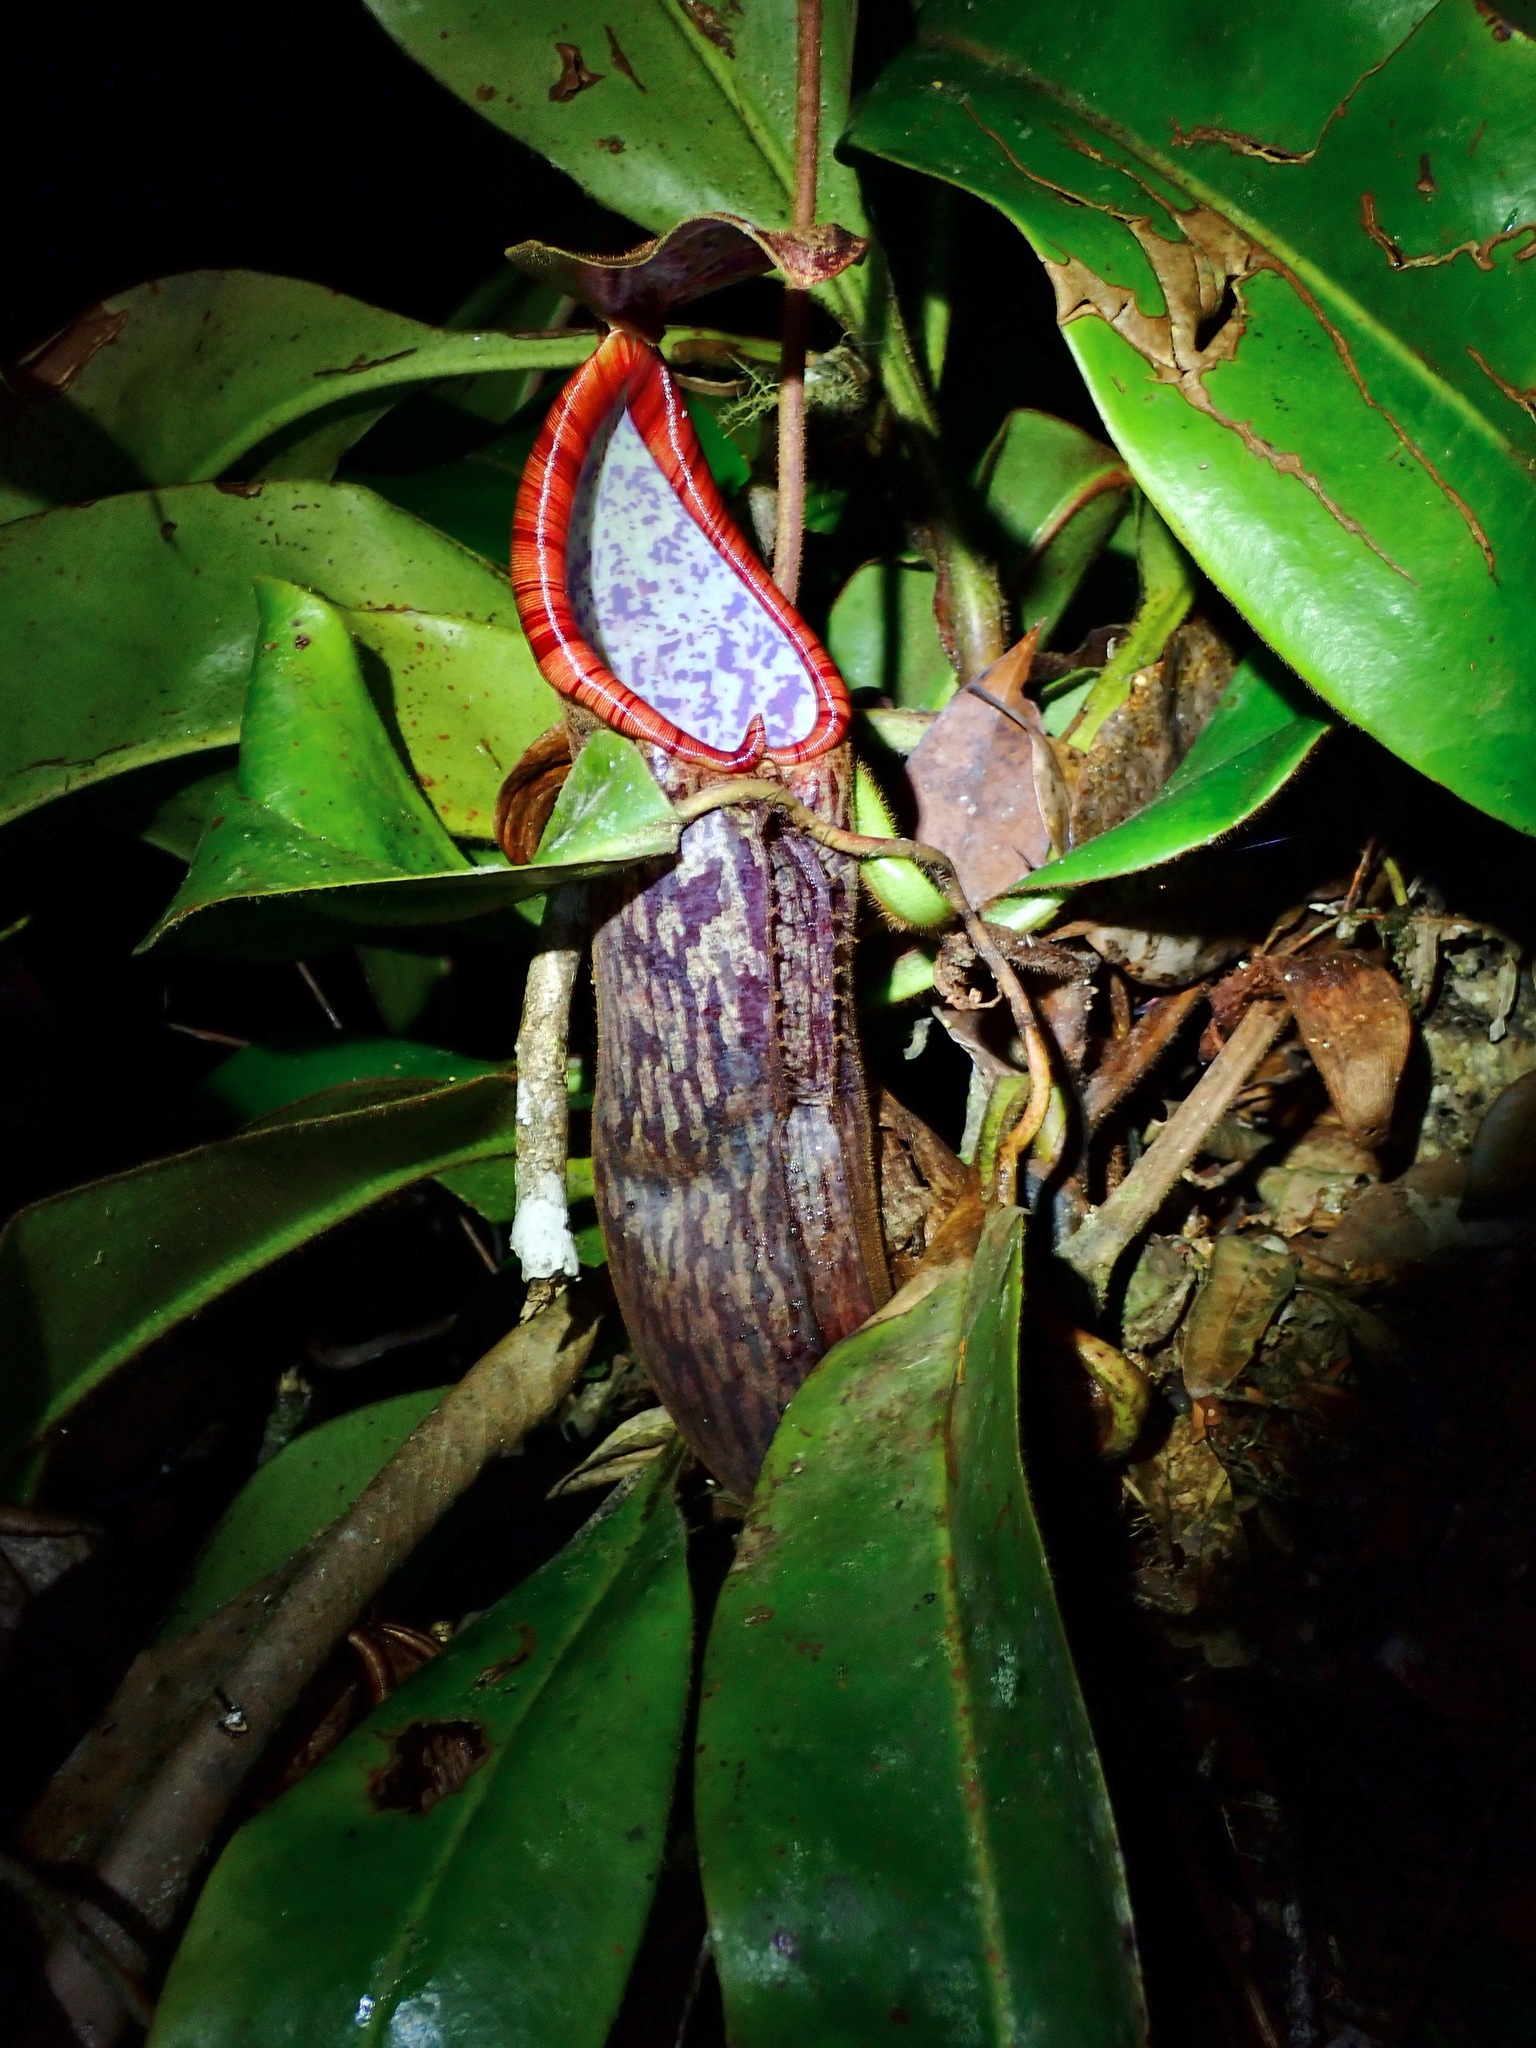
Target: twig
789, 527
308, 977
57, 1912
1129, 1059
156, 1853
940, 870
541, 1239
1096, 1249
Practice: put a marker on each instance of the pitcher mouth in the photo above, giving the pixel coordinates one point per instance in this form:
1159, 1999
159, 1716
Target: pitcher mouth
638, 593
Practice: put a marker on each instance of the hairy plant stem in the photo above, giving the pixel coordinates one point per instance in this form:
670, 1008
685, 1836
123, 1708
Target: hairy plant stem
541, 1238
1096, 1249
789, 529
940, 870
147, 1869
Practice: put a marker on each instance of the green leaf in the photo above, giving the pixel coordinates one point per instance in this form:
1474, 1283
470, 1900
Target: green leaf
324, 821
130, 625
691, 108
1056, 495
882, 636
88, 1278
467, 700
901, 1816
184, 377
261, 1079
1288, 256
1257, 738
291, 1498
509, 1909
1167, 592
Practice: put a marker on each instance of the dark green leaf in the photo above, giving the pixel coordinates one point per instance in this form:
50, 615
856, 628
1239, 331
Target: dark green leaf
130, 625
1288, 255
262, 1079
1056, 495
660, 111
1258, 736
90, 1277
182, 378
901, 1816
361, 1908
292, 1498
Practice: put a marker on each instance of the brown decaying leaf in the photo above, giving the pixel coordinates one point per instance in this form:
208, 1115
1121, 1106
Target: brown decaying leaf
639, 289
1246, 1284
921, 1181
977, 775
1353, 1021
1125, 1063
1139, 745
36, 1548
1192, 1517
528, 795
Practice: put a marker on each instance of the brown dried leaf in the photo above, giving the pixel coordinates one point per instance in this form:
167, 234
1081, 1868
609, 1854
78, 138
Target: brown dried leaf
978, 775
639, 289
528, 795
921, 1182
1355, 1024
1126, 1062
1247, 1282
1193, 1521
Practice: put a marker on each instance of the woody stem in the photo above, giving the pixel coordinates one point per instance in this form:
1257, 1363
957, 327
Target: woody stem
790, 525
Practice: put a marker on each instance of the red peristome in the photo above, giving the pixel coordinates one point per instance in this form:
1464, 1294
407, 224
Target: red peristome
625, 372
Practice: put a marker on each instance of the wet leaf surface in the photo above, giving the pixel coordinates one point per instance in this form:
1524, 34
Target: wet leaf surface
441, 1868
886, 1669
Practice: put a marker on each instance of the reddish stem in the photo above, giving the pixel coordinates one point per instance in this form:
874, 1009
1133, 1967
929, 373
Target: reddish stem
790, 525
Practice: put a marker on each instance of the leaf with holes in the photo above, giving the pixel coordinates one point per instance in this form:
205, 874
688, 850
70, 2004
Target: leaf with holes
1288, 259
475, 1863
901, 1817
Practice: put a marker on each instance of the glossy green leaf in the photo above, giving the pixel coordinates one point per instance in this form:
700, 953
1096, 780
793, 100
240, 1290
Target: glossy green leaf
261, 1079
1288, 252
324, 821
1056, 495
291, 1498
1167, 592
1258, 736
129, 625
689, 108
882, 636
902, 1821
467, 700
175, 382
88, 1278
509, 1909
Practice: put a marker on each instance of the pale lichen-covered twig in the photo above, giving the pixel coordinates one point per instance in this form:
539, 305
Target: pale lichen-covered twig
148, 1867
541, 1239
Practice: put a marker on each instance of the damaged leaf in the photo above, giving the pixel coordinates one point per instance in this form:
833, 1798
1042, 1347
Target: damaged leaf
701, 100
476, 1861
1265, 365
900, 1812
1256, 739
1244, 1289
178, 381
